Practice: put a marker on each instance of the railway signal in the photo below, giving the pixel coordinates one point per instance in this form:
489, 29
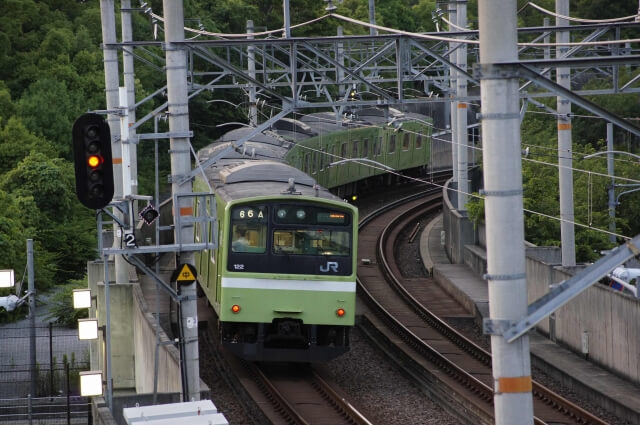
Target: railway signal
93, 162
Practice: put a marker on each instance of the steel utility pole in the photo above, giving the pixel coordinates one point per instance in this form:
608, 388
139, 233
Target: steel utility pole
287, 19
129, 83
565, 150
108, 18
453, 119
372, 17
461, 114
178, 104
611, 192
251, 67
503, 210
32, 318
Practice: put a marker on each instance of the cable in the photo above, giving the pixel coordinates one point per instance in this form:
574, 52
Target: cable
475, 42
592, 21
239, 35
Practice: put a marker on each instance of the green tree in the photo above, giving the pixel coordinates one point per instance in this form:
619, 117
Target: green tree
64, 228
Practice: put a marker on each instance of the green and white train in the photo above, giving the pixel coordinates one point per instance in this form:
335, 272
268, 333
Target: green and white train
283, 278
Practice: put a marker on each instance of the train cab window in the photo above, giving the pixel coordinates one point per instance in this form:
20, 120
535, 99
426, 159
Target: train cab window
354, 152
365, 148
392, 143
406, 140
419, 141
249, 229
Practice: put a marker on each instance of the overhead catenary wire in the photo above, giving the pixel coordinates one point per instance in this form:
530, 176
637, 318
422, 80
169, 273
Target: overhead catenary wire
590, 21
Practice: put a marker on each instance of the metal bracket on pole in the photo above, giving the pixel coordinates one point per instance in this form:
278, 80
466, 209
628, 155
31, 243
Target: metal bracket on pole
492, 71
172, 293
570, 288
153, 136
495, 326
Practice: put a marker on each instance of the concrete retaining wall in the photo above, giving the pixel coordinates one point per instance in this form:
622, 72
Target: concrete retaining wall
144, 331
459, 230
610, 319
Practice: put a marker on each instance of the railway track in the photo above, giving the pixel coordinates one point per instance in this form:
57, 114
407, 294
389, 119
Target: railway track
406, 319
283, 393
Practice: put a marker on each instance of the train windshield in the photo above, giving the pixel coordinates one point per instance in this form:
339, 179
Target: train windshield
311, 242
296, 238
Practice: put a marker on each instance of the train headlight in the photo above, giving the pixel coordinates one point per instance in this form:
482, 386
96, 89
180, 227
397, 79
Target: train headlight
340, 312
235, 308
301, 214
282, 213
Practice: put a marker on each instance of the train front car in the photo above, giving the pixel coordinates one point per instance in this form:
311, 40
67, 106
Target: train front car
286, 268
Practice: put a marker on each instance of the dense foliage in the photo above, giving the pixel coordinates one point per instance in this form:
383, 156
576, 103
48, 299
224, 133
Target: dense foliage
51, 71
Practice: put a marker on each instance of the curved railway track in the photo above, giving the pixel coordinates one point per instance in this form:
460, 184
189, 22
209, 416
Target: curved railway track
407, 321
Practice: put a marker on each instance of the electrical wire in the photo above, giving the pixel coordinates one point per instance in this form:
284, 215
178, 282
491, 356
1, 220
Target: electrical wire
240, 35
590, 21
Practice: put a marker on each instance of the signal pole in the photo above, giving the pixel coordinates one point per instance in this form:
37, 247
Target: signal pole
178, 105
503, 210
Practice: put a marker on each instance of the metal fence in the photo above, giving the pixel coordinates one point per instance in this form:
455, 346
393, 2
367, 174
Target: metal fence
60, 356
46, 411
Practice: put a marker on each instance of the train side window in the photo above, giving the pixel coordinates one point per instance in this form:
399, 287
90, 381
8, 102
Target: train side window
392, 143
406, 141
365, 148
343, 151
307, 165
378, 147
314, 162
323, 158
419, 141
354, 152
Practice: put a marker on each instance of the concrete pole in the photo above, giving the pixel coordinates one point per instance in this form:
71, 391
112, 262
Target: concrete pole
461, 115
287, 19
565, 150
111, 79
453, 57
129, 83
611, 190
32, 318
372, 17
504, 210
178, 103
251, 65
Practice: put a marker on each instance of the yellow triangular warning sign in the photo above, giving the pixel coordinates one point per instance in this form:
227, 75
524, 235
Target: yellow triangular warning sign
186, 274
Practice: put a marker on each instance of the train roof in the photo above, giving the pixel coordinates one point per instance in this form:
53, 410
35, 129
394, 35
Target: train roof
246, 179
249, 150
238, 133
